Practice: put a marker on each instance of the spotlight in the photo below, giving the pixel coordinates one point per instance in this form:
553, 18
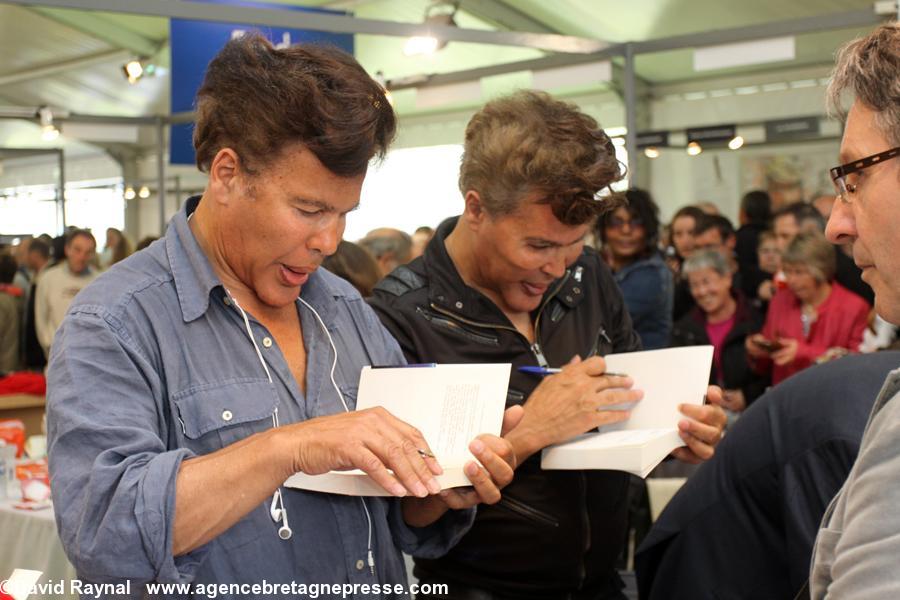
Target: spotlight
129, 193
419, 45
736, 142
144, 192
49, 132
694, 148
133, 70
651, 152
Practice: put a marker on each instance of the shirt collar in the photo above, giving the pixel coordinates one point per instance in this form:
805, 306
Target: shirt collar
194, 276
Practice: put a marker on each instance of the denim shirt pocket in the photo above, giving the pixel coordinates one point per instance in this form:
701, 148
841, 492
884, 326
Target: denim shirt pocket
215, 415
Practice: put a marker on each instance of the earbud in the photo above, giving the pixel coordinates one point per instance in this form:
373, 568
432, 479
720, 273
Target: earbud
274, 511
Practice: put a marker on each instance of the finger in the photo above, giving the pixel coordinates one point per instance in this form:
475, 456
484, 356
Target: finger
512, 416
487, 490
593, 366
419, 443
401, 455
460, 498
498, 468
410, 440
698, 447
614, 381
709, 414
686, 455
372, 466
715, 395
708, 434
574, 360
616, 397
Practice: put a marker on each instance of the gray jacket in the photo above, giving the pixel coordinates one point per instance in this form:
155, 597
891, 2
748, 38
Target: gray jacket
857, 550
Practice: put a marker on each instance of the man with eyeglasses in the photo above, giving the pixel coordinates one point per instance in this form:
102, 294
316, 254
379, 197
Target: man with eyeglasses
856, 551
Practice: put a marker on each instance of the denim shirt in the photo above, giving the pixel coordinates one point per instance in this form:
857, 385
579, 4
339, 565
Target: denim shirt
153, 365
648, 290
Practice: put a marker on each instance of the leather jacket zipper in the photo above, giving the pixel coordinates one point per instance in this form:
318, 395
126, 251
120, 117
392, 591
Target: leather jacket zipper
535, 347
528, 512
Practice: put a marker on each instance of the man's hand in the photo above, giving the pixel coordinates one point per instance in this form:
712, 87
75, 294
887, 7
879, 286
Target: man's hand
752, 344
498, 462
570, 403
372, 440
703, 428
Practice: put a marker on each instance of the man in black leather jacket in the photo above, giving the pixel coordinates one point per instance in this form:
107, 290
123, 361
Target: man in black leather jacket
508, 281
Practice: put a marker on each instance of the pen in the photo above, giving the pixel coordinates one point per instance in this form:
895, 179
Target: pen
549, 371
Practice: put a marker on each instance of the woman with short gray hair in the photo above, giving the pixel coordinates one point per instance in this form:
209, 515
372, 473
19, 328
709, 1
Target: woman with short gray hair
724, 319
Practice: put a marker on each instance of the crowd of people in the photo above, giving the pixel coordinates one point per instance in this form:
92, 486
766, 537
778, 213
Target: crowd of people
63, 266
221, 357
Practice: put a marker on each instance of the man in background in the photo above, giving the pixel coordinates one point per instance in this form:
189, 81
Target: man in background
59, 285
390, 247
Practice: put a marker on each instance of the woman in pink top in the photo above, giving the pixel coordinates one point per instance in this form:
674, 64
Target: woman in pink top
812, 315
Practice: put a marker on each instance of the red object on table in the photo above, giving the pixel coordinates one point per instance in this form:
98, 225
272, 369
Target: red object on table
23, 382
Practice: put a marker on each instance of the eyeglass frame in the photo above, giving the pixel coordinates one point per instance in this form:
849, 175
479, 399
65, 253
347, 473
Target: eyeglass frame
838, 174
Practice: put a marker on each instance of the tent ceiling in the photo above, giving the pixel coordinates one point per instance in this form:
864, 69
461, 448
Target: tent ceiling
90, 47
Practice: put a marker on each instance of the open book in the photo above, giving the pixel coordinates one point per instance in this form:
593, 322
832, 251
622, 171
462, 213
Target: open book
449, 404
668, 378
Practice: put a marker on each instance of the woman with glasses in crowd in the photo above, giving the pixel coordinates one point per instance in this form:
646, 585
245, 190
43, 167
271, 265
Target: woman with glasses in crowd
629, 235
813, 318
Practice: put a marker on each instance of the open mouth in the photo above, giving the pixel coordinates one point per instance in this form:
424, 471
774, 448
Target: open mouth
294, 276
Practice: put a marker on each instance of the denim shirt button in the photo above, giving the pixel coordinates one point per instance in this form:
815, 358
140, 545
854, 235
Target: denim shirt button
360, 565
226, 415
267, 342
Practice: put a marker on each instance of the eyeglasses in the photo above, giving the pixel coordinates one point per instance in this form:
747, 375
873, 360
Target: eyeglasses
844, 188
617, 223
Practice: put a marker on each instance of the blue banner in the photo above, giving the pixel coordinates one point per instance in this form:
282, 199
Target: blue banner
195, 43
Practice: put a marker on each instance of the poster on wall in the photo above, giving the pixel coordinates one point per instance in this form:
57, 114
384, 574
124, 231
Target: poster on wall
790, 177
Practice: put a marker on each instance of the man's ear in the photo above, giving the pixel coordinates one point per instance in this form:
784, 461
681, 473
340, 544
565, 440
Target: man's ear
227, 175
474, 213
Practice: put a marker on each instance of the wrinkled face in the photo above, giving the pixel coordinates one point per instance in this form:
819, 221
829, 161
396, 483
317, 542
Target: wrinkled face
683, 235
786, 229
769, 256
522, 253
625, 234
870, 221
79, 252
710, 290
283, 222
801, 281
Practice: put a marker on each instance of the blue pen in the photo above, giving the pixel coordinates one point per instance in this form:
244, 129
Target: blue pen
543, 371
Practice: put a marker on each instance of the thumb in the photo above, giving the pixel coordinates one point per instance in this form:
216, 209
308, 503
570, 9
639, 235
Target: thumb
575, 360
512, 416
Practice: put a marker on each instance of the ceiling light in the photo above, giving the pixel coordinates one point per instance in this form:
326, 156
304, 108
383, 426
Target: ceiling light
651, 152
694, 148
133, 70
419, 45
736, 142
49, 132
129, 193
144, 192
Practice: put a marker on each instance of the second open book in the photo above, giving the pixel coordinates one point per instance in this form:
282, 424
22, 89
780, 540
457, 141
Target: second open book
668, 378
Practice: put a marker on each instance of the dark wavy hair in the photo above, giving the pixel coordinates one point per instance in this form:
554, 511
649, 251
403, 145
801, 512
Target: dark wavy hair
257, 99
529, 142
640, 205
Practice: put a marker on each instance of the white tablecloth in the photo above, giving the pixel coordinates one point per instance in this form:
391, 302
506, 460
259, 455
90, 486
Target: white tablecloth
28, 540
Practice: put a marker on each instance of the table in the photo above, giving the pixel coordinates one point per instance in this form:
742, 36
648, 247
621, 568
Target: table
28, 540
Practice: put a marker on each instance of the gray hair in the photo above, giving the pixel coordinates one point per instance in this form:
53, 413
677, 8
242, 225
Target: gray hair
813, 251
705, 259
383, 241
869, 68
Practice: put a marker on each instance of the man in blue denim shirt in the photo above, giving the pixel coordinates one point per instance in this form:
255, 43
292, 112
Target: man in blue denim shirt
192, 379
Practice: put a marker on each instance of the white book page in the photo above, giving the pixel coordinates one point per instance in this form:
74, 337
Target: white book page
449, 404
667, 377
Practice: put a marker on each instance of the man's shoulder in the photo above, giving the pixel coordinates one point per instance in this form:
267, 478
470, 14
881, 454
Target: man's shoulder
403, 283
142, 275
